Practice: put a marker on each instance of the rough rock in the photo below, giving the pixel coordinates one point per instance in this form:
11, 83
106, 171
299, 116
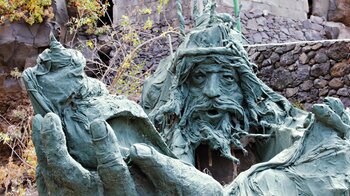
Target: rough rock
303, 58
307, 24
343, 92
266, 71
19, 41
252, 24
336, 52
320, 8
340, 69
288, 59
261, 21
291, 91
281, 78
332, 92
312, 80
320, 83
317, 46
297, 35
346, 101
307, 85
331, 32
274, 57
312, 60
347, 79
316, 27
301, 74
336, 83
257, 38
316, 19
320, 69
340, 13
307, 96
321, 57
323, 92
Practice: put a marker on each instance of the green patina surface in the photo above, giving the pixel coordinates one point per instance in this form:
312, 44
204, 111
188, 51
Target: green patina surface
89, 142
84, 137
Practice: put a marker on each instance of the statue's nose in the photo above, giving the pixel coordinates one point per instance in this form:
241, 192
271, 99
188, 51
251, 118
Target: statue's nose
211, 88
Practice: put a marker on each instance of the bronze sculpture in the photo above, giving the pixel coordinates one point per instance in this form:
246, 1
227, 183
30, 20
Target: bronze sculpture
207, 94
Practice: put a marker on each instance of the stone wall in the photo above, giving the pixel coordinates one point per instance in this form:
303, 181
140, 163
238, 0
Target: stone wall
259, 27
305, 72
332, 10
260, 23
296, 9
20, 45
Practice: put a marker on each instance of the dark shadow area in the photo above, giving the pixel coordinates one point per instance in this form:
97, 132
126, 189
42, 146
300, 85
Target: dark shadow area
220, 168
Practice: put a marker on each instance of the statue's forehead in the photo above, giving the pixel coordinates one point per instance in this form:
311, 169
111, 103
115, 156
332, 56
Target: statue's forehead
212, 67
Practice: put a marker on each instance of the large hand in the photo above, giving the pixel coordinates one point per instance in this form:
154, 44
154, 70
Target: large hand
334, 115
59, 174
172, 176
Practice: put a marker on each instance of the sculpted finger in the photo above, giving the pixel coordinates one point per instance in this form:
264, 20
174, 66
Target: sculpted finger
62, 167
338, 107
112, 169
53, 138
326, 115
335, 104
41, 169
172, 176
36, 127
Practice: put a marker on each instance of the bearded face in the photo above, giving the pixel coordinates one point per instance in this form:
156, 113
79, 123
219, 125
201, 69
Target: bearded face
213, 111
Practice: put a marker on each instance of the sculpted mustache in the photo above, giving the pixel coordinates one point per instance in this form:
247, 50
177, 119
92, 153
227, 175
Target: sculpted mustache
230, 105
222, 103
202, 103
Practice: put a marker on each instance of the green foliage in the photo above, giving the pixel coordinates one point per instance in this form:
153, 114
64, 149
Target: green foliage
146, 11
31, 11
123, 71
4, 138
148, 24
90, 44
130, 75
19, 114
299, 105
129, 79
15, 73
18, 174
161, 5
88, 13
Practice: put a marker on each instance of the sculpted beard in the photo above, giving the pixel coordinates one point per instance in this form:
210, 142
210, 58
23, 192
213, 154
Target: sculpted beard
219, 134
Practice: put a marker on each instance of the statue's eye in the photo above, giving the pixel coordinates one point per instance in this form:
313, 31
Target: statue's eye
199, 77
229, 77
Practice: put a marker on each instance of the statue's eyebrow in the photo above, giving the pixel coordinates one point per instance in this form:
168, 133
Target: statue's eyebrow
232, 71
199, 71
